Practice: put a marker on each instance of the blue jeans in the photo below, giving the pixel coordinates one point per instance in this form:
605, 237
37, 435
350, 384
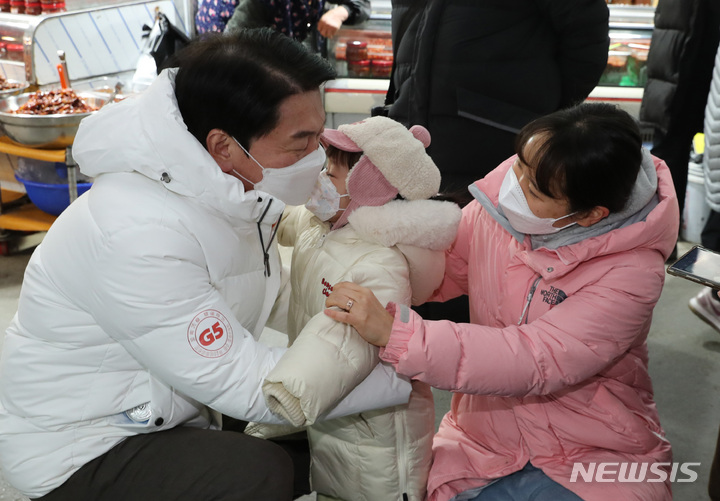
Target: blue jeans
528, 484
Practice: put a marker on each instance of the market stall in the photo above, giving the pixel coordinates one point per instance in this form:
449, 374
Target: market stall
100, 42
363, 58
103, 39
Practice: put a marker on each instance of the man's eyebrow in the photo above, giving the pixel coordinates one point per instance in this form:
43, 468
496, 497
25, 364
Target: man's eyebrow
305, 133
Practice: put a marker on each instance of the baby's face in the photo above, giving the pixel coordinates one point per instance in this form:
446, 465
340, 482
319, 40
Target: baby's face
338, 174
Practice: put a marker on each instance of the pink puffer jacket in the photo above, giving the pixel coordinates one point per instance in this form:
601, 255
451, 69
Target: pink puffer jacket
554, 367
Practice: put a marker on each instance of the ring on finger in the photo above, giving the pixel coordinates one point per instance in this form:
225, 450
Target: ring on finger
349, 304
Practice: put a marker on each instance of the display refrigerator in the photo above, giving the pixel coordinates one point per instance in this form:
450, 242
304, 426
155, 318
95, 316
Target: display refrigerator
624, 78
362, 56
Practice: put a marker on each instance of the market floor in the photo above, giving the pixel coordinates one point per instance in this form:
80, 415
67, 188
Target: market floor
684, 364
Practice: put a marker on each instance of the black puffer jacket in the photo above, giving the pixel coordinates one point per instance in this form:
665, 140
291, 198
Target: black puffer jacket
679, 67
475, 72
680, 63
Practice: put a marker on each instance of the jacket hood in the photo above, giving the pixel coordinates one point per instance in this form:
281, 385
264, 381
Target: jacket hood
652, 204
420, 229
428, 224
146, 134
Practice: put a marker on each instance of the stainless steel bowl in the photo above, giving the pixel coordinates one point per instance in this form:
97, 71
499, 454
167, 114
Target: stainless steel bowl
43, 131
16, 90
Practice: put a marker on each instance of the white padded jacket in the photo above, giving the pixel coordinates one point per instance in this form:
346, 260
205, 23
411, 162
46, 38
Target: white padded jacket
149, 289
391, 249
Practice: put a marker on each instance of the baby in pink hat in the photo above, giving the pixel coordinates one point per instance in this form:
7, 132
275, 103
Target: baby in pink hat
386, 160
372, 220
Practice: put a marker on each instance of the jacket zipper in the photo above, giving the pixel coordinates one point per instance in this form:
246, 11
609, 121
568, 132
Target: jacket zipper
528, 299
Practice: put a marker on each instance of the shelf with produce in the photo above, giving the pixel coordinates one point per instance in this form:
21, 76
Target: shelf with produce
23, 217
11, 148
27, 217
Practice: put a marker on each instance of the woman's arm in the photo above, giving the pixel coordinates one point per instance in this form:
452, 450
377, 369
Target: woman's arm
455, 282
575, 340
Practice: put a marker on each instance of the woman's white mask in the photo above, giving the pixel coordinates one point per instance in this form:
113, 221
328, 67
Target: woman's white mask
515, 207
325, 200
292, 184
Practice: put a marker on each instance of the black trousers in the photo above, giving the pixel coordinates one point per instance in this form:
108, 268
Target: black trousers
296, 445
184, 464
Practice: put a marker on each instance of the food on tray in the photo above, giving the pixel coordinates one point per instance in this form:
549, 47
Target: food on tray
54, 102
377, 49
6, 85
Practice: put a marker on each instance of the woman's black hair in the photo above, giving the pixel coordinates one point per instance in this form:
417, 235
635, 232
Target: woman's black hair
590, 154
236, 83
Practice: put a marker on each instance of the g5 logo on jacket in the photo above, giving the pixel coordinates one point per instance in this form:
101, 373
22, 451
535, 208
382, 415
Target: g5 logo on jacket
210, 334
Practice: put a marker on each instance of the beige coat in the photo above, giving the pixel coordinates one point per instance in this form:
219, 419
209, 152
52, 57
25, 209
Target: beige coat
378, 455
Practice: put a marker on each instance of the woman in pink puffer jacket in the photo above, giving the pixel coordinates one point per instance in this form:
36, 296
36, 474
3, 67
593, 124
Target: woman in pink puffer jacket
562, 255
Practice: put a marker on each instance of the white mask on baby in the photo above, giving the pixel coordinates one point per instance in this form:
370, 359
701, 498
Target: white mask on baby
325, 200
292, 184
514, 204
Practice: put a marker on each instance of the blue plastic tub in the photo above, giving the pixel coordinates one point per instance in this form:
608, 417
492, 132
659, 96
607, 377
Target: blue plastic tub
51, 198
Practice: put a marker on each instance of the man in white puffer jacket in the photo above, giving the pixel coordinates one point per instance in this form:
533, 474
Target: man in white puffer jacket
371, 221
141, 309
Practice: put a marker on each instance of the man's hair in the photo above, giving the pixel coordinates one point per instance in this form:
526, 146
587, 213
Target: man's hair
237, 82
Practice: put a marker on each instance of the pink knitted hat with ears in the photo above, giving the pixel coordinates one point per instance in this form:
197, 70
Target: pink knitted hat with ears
394, 161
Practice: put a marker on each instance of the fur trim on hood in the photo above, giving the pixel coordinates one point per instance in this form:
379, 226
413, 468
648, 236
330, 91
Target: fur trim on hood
422, 230
428, 224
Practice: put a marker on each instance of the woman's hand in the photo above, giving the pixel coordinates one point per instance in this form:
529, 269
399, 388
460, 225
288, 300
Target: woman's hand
331, 21
361, 309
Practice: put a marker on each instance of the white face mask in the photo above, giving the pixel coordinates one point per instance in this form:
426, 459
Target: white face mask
325, 200
514, 204
292, 184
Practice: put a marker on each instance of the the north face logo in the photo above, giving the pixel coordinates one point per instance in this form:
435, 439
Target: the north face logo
553, 296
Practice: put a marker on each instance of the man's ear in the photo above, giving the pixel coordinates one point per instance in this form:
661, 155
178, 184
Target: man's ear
594, 215
218, 145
